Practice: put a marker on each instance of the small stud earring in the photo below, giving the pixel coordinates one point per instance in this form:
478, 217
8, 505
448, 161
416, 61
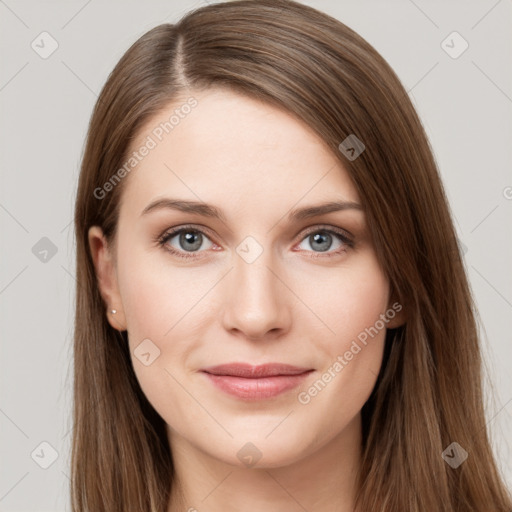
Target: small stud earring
113, 311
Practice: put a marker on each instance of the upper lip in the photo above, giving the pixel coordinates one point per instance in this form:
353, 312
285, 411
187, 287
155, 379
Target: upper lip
249, 371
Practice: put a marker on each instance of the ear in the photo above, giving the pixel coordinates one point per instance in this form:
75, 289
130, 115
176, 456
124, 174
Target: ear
106, 276
395, 313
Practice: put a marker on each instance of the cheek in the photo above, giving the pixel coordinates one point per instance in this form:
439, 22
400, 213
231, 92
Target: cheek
347, 301
157, 297
350, 304
166, 305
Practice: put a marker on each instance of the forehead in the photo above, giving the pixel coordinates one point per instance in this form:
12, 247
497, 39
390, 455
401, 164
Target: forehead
231, 148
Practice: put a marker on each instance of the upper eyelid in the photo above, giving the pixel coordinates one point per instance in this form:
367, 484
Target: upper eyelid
172, 232
327, 227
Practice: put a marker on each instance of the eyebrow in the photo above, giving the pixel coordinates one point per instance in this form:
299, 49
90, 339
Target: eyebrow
207, 210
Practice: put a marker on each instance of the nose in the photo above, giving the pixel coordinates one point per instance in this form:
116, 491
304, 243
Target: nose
257, 303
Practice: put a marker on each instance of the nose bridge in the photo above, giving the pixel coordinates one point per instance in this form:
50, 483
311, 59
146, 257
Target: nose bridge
256, 301
256, 281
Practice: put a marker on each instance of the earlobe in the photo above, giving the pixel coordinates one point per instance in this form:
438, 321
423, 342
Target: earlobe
116, 319
395, 313
106, 278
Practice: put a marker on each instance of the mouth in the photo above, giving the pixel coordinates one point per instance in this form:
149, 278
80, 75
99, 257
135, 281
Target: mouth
249, 382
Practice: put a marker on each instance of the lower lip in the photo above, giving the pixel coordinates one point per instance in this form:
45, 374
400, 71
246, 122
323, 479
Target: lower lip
257, 389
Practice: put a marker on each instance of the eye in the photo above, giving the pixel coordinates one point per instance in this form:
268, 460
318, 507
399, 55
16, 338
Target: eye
184, 240
321, 240
187, 241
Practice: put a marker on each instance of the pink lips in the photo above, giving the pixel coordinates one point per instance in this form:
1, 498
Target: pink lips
256, 382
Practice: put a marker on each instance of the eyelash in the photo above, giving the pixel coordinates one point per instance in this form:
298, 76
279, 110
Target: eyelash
165, 237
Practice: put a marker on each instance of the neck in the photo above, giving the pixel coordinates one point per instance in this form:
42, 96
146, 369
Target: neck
322, 479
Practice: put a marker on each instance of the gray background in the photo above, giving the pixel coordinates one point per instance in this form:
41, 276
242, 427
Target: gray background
465, 104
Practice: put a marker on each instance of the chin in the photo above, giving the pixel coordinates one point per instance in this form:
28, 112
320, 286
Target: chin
258, 452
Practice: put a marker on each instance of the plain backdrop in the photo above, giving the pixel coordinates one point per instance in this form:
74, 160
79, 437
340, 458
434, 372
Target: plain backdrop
464, 101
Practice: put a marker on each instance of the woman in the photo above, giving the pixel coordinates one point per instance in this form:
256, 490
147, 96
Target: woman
315, 347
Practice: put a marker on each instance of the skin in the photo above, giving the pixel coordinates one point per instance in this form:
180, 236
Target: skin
255, 163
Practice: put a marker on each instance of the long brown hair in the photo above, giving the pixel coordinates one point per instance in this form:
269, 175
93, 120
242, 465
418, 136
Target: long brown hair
428, 393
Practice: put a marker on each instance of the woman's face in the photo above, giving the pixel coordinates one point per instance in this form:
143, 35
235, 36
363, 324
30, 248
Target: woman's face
264, 282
